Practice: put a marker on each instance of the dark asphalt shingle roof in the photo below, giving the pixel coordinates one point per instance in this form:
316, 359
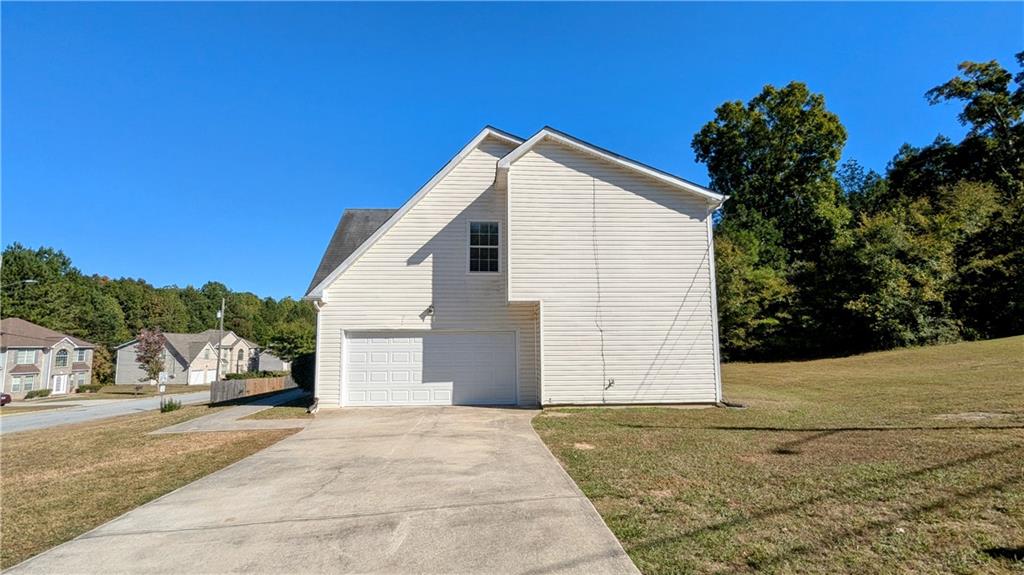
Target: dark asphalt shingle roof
16, 332
354, 228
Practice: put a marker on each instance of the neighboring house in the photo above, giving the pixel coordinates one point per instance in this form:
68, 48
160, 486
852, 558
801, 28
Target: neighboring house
34, 357
545, 271
269, 362
192, 358
189, 358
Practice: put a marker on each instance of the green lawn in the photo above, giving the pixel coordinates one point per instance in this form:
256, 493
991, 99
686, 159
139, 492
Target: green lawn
61, 482
909, 461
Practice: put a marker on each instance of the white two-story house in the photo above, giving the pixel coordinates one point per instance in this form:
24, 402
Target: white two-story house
526, 272
33, 357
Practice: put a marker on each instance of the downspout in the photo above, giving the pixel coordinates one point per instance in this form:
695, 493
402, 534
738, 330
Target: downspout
318, 305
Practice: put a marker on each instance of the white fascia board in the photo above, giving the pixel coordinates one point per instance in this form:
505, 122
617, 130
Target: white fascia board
548, 133
318, 291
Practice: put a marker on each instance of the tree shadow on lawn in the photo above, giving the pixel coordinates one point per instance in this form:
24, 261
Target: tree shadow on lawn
849, 532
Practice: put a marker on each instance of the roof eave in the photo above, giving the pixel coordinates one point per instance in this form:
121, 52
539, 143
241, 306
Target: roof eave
317, 292
548, 132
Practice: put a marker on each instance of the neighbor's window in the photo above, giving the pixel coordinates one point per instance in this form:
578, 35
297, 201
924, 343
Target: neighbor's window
79, 355
62, 358
483, 246
25, 356
23, 383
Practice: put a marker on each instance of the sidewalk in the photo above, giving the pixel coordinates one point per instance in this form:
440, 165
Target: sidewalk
231, 419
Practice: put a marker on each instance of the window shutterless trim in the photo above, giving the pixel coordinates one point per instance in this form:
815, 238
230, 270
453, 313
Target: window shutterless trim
470, 246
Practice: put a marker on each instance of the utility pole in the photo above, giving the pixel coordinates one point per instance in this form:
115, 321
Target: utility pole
220, 338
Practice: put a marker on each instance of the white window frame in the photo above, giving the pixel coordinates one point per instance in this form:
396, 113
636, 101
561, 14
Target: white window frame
56, 358
80, 355
31, 361
18, 383
469, 240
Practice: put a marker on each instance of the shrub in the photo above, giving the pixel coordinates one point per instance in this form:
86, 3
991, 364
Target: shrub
304, 371
170, 404
255, 374
37, 393
90, 388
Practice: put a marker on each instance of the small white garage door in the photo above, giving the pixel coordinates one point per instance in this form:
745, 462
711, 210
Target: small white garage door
430, 369
211, 375
195, 377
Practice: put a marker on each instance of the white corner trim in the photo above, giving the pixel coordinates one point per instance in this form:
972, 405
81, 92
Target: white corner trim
714, 305
317, 292
548, 133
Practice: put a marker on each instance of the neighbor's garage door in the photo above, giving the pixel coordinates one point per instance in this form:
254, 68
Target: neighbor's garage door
430, 369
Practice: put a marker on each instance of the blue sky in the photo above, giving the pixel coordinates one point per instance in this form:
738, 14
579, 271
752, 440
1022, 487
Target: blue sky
182, 143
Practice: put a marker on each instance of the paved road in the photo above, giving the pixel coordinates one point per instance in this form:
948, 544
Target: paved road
395, 490
89, 410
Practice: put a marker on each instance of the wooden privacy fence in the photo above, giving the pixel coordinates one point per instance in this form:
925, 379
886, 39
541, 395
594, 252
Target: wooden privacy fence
232, 389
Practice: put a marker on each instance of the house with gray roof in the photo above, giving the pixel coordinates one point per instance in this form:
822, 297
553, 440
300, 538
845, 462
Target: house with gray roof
191, 358
34, 357
527, 271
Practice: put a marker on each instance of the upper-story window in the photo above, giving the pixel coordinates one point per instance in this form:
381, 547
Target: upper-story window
206, 353
61, 359
483, 246
79, 355
25, 356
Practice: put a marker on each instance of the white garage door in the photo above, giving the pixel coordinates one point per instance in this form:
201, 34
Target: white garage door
430, 369
195, 377
211, 375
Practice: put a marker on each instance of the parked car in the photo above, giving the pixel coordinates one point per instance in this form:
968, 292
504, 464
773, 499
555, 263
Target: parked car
5, 398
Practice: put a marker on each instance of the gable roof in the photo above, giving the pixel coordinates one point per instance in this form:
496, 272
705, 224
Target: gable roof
16, 332
549, 133
187, 345
316, 288
354, 228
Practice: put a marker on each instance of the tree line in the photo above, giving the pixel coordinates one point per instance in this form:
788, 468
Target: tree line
109, 312
815, 258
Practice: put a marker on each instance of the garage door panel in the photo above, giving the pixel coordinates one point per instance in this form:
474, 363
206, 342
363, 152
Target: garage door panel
431, 369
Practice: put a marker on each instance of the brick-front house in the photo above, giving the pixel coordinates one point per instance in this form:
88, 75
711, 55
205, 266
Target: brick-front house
34, 357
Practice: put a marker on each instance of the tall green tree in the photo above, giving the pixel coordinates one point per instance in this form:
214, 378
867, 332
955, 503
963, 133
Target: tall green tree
776, 158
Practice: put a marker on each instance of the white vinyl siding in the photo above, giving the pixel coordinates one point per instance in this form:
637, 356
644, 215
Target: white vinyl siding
420, 261
633, 303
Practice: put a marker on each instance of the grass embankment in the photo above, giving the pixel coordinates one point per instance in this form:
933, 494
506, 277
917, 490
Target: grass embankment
909, 461
61, 482
128, 391
294, 409
16, 409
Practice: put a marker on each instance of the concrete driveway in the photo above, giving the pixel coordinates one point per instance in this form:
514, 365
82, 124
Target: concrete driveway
428, 490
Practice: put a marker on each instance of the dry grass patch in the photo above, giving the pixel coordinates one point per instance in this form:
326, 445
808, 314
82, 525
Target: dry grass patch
127, 391
15, 409
881, 463
73, 478
294, 409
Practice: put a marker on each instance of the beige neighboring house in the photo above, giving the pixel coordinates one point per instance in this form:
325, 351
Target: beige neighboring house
34, 357
192, 358
537, 271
